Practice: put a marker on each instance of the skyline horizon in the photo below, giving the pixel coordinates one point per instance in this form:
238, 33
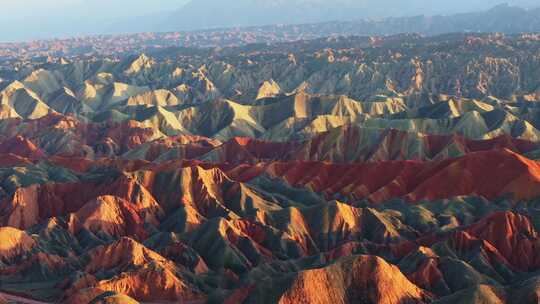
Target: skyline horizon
60, 25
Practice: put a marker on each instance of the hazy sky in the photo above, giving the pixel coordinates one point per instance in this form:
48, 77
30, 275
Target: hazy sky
36, 19
106, 8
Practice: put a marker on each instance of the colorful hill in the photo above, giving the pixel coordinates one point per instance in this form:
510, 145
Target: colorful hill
343, 170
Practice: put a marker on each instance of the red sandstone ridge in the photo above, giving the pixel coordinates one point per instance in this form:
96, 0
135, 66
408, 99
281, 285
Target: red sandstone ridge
12, 160
184, 147
489, 174
142, 274
514, 237
145, 284
436, 143
22, 210
130, 134
357, 279
124, 254
200, 186
22, 147
110, 215
242, 149
351, 143
28, 206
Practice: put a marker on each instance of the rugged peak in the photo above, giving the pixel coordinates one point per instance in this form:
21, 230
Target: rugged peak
368, 277
108, 215
140, 63
123, 255
14, 243
268, 89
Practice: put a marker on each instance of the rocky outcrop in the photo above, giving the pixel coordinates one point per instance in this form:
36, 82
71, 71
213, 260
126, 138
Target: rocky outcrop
14, 243
352, 280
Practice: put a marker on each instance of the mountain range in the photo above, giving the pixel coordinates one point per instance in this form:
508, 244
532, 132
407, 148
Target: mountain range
368, 19
380, 170
56, 19
203, 14
502, 19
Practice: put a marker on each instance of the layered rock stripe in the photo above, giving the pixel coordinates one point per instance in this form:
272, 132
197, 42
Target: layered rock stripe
400, 169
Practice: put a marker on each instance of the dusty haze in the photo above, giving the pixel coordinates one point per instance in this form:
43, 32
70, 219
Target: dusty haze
38, 19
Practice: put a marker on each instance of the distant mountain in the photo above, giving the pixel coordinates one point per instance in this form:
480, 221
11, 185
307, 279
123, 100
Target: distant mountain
42, 19
321, 19
213, 14
203, 14
502, 18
